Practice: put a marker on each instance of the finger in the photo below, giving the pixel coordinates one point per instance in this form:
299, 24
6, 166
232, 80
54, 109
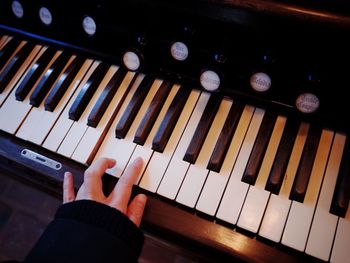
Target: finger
136, 208
97, 168
120, 195
68, 188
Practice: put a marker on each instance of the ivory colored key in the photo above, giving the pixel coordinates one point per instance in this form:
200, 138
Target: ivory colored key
215, 184
278, 206
341, 251
236, 190
63, 124
126, 146
3, 42
13, 112
324, 224
79, 127
15, 67
197, 172
145, 151
49, 118
257, 197
177, 168
89, 143
160, 160
300, 215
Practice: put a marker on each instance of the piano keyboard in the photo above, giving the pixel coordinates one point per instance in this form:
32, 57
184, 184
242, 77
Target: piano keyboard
268, 174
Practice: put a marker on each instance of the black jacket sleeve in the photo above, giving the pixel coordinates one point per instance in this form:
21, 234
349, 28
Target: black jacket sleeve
87, 231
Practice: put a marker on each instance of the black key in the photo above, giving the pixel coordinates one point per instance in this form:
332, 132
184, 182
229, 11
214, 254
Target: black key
259, 149
221, 147
152, 112
63, 83
341, 195
14, 64
105, 98
302, 177
7, 51
170, 119
87, 92
133, 107
202, 129
48, 79
33, 74
283, 154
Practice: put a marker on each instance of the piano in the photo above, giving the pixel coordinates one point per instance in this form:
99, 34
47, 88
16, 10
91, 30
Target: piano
238, 108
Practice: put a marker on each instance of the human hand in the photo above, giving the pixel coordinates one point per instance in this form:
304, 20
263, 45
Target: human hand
119, 198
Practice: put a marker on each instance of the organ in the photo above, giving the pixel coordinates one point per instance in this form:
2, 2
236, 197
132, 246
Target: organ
237, 108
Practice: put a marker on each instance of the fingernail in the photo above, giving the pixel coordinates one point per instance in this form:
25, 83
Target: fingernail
66, 174
138, 161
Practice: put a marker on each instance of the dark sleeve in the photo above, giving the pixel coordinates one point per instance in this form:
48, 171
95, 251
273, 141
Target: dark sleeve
88, 231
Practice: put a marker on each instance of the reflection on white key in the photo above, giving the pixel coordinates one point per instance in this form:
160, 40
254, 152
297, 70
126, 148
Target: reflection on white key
300, 214
324, 224
32, 121
159, 161
177, 168
216, 182
278, 207
257, 197
109, 144
79, 127
93, 136
341, 251
63, 124
13, 112
197, 173
49, 118
21, 70
145, 151
236, 190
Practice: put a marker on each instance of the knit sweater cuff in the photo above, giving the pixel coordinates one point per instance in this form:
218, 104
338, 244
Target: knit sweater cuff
105, 217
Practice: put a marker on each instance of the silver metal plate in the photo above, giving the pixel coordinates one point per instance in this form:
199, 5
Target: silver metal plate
41, 159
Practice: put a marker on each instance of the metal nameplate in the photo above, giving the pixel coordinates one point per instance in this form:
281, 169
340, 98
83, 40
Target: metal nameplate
41, 159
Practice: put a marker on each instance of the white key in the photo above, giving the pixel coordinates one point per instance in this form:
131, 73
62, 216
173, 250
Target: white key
278, 206
13, 112
145, 151
79, 127
300, 215
32, 121
126, 146
177, 168
197, 173
216, 182
341, 251
63, 124
257, 197
236, 190
159, 161
4, 40
48, 119
109, 144
93, 137
324, 224
21, 70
